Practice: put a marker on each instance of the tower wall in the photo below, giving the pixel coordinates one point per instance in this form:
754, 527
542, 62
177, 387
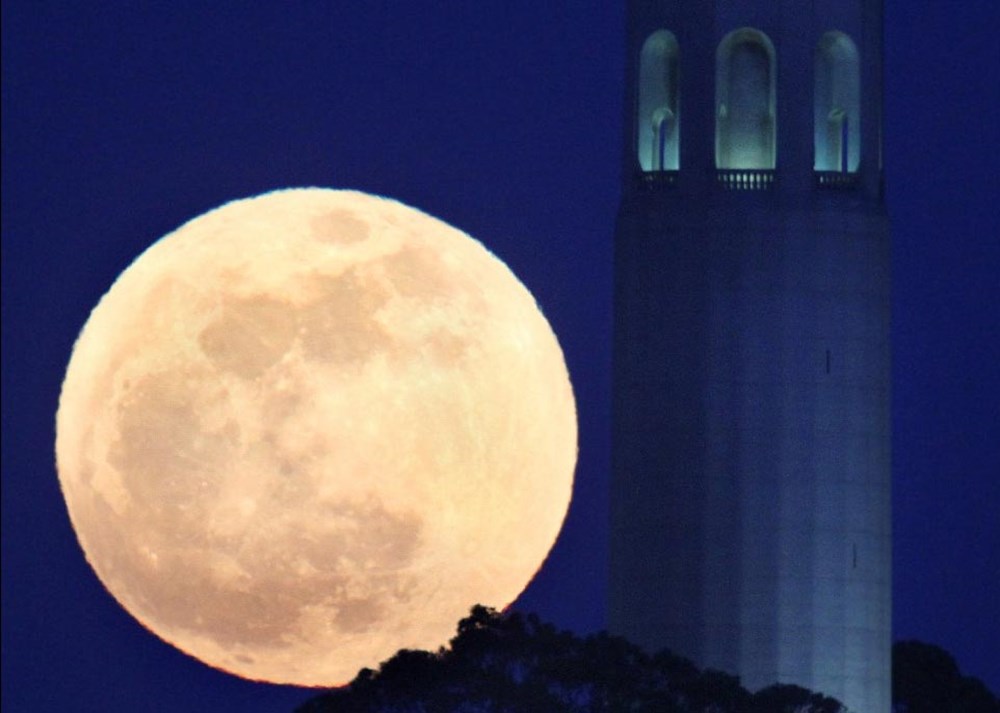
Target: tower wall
751, 483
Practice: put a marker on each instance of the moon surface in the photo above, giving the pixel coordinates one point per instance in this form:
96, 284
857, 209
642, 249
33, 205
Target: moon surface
308, 429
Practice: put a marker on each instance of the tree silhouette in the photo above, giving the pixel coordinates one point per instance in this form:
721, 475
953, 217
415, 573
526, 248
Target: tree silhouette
926, 679
513, 663
786, 698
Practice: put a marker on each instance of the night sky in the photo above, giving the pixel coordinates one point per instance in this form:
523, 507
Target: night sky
122, 120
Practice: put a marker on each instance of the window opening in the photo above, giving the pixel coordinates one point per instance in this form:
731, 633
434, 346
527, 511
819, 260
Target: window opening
745, 88
658, 116
837, 105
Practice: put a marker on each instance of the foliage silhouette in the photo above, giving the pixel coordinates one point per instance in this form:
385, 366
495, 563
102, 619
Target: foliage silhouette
926, 679
511, 663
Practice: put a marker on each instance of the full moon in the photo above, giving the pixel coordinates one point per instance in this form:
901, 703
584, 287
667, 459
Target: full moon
308, 429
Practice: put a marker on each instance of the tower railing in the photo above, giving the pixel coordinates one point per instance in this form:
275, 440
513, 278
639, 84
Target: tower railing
837, 179
653, 180
745, 179
748, 179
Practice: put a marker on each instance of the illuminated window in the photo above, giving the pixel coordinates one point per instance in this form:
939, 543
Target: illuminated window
745, 125
837, 105
658, 129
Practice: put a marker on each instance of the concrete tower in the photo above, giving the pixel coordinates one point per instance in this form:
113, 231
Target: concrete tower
750, 496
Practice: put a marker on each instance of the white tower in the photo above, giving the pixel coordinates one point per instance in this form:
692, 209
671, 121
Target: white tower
751, 484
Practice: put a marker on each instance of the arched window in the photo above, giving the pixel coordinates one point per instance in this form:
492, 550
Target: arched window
745, 88
658, 118
837, 104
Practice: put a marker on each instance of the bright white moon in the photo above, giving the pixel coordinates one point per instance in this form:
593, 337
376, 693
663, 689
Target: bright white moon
311, 428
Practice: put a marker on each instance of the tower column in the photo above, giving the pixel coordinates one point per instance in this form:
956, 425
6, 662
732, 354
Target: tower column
750, 485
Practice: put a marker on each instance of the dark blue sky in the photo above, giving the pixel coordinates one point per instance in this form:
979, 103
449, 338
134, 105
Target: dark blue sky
121, 121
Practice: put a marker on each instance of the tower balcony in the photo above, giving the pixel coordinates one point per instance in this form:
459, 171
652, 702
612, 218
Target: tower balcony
745, 179
654, 180
837, 179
